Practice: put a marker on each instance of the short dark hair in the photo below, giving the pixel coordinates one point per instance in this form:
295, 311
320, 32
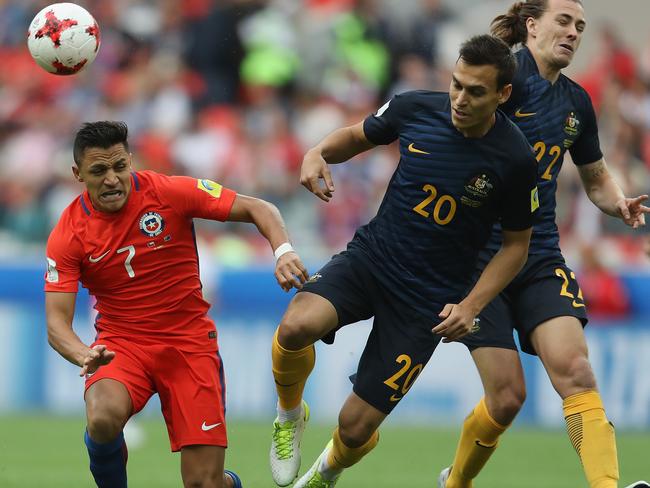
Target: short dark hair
103, 134
489, 50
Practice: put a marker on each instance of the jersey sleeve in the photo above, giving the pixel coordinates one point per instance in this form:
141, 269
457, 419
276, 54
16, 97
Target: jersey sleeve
383, 127
521, 199
586, 149
196, 198
64, 254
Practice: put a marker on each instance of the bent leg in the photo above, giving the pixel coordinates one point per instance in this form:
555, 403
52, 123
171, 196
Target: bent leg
505, 392
355, 436
202, 467
108, 407
307, 319
561, 345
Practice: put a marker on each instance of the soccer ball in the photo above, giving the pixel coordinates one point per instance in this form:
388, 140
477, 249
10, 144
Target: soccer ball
63, 38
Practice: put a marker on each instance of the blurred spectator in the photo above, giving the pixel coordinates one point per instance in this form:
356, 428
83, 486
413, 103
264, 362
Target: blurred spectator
604, 293
237, 90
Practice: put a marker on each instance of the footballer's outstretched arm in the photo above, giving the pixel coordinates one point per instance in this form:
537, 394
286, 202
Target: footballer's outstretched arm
59, 312
603, 190
501, 270
339, 146
289, 270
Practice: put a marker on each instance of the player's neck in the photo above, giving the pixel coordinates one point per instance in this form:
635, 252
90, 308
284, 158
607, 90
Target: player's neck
546, 71
478, 130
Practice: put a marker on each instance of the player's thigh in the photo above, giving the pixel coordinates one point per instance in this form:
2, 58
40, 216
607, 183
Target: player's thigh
550, 291
340, 293
500, 370
122, 387
202, 465
494, 328
398, 348
562, 347
192, 391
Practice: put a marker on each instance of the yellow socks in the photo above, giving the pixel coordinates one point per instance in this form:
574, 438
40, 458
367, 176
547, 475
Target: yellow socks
291, 370
477, 442
593, 438
341, 456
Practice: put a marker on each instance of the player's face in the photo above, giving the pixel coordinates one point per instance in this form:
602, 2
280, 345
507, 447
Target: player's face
475, 97
107, 176
555, 36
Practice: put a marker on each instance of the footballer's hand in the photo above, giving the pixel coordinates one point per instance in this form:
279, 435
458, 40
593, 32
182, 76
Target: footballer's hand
457, 322
97, 356
632, 211
290, 272
314, 169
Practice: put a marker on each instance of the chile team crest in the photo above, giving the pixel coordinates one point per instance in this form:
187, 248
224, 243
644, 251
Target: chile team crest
152, 224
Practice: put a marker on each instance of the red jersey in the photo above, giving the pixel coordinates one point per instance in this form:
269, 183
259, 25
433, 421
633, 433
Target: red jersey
141, 263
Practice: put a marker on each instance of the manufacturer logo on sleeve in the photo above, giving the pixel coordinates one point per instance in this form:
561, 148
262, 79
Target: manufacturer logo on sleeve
210, 187
152, 224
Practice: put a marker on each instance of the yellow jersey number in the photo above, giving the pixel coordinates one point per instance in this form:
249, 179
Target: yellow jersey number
411, 375
559, 272
540, 152
444, 209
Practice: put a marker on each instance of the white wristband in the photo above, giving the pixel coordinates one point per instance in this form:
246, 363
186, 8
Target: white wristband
282, 249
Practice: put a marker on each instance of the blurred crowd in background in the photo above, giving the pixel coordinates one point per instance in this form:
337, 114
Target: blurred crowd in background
237, 90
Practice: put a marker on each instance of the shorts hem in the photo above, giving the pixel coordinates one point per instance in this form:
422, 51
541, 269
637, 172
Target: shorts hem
177, 446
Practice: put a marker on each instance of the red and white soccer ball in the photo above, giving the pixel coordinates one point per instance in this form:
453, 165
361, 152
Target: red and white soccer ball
63, 38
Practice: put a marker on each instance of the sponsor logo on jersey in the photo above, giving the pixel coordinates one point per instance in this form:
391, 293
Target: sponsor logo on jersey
210, 187
52, 273
413, 149
477, 190
152, 224
534, 200
98, 258
520, 115
571, 125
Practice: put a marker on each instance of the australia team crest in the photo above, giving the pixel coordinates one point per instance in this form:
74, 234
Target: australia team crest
152, 224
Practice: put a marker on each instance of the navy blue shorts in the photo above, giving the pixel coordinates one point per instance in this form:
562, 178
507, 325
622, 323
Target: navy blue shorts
400, 343
544, 289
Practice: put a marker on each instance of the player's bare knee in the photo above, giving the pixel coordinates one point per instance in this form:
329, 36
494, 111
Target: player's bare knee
505, 406
102, 426
581, 375
356, 434
296, 331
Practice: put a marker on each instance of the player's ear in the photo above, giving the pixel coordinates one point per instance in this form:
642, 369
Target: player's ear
531, 26
75, 172
504, 94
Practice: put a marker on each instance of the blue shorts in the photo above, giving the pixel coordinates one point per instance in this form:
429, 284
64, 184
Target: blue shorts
544, 289
400, 343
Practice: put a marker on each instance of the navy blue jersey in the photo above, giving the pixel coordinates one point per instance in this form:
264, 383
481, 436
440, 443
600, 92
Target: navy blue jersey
554, 118
443, 198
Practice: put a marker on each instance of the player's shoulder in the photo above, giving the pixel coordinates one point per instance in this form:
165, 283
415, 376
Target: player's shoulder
510, 136
145, 179
424, 99
73, 220
574, 90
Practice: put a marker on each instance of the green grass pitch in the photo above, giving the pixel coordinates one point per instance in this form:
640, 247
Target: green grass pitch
44, 451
